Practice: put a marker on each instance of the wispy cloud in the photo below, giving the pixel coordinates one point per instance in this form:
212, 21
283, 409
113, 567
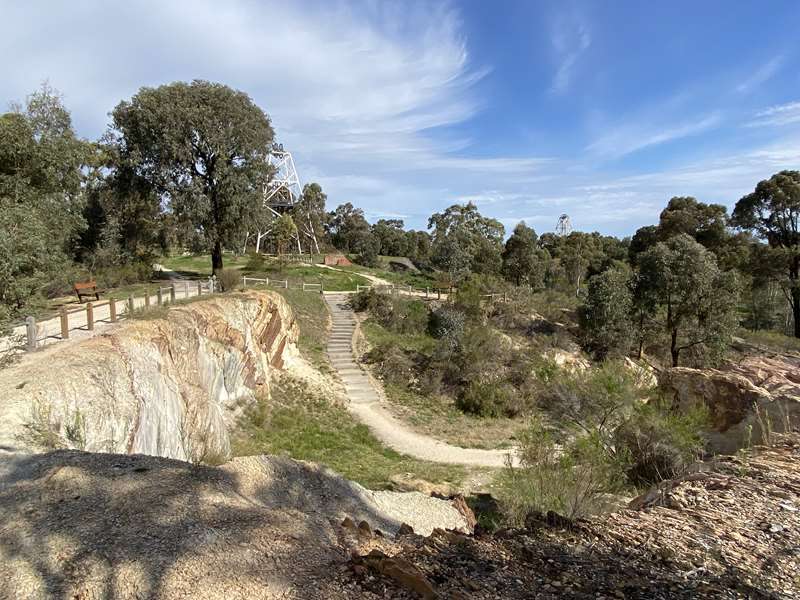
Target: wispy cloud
761, 75
570, 38
782, 114
632, 137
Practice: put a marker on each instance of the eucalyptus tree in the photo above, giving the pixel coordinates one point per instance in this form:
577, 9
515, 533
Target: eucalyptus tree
686, 297
772, 212
203, 146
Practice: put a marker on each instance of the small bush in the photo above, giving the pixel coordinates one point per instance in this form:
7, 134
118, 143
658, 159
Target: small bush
485, 399
393, 364
446, 322
256, 263
118, 276
401, 315
229, 279
574, 481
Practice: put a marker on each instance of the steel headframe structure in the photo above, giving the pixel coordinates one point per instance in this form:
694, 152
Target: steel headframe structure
281, 193
283, 190
563, 227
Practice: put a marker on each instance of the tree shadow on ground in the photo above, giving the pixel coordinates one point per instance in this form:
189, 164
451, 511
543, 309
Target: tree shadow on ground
78, 525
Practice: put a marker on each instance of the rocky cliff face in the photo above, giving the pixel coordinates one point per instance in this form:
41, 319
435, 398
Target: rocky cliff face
745, 399
165, 387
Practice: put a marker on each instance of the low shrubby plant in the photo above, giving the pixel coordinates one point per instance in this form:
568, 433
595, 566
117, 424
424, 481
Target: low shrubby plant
229, 279
573, 480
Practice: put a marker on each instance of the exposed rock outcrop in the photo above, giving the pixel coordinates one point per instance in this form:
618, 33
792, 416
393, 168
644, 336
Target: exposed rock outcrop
730, 532
167, 387
743, 399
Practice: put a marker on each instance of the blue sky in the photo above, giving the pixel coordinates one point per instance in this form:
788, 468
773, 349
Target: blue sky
602, 110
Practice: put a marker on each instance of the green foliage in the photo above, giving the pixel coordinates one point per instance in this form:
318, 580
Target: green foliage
447, 322
395, 313
229, 279
572, 480
394, 365
465, 242
348, 228
283, 232
772, 212
487, 399
309, 215
204, 147
606, 315
523, 262
298, 422
657, 443
687, 298
40, 201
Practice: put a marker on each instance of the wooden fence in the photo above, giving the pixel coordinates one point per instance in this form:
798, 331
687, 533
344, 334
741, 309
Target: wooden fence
117, 309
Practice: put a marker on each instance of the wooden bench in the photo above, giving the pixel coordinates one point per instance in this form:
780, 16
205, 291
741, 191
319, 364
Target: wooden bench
87, 288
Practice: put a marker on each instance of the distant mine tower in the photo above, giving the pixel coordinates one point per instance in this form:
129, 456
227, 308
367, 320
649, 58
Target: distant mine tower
281, 193
283, 190
563, 227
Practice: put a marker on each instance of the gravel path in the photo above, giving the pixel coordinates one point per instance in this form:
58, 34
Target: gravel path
365, 402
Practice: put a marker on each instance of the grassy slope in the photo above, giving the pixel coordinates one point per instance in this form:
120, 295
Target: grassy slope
297, 422
296, 274
306, 427
437, 415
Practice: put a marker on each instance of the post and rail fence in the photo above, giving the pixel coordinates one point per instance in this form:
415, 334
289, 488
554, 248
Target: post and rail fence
36, 334
106, 311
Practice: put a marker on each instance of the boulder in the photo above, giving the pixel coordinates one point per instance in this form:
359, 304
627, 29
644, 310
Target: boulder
740, 410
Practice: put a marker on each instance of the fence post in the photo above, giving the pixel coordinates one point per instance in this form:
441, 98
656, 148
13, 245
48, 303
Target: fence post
286, 284
112, 308
159, 296
172, 294
199, 288
321, 286
64, 323
185, 289
89, 316
146, 298
30, 330
131, 305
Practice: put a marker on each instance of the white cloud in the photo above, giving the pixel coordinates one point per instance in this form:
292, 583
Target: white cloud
639, 134
761, 75
782, 114
570, 38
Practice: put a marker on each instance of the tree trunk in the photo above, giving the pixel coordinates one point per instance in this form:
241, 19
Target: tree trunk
216, 258
673, 349
796, 310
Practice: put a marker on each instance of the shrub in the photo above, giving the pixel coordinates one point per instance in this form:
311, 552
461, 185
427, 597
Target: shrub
117, 276
401, 315
446, 322
598, 398
657, 443
573, 481
484, 399
229, 279
256, 263
393, 364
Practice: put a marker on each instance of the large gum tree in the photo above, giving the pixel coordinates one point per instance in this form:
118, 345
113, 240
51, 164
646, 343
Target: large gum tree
772, 212
203, 146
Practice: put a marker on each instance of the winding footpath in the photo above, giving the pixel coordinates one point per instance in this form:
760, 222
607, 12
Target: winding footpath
365, 402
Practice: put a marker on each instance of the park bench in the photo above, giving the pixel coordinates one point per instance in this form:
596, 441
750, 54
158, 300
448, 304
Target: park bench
87, 288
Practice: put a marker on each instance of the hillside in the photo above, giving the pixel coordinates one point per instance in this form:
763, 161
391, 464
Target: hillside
731, 530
